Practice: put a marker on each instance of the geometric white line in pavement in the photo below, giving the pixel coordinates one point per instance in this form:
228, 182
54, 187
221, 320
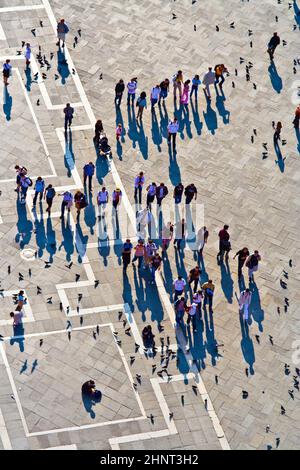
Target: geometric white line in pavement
66, 447
4, 434
21, 8
2, 34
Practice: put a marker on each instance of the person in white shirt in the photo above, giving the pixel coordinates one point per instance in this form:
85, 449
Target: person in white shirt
244, 302
102, 200
131, 90
138, 186
197, 299
173, 128
208, 79
155, 94
178, 286
17, 317
192, 315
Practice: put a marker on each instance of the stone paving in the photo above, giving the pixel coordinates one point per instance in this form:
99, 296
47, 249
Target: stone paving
40, 399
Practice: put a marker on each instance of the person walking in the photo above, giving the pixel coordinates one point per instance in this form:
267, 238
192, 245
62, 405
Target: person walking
180, 229
190, 193
25, 183
194, 277
277, 133
208, 288
202, 237
102, 200
69, 112
224, 243
252, 263
27, 53
6, 71
208, 79
166, 235
119, 132
80, 202
155, 265
220, 69
173, 128
195, 86
20, 171
139, 253
161, 193
98, 132
178, 287
177, 83
180, 307
150, 251
116, 198
155, 95
297, 118
186, 93
141, 104
67, 202
119, 90
126, 254
244, 302
151, 193
192, 311
273, 43
242, 256
88, 173
178, 192
164, 90
139, 182
131, 91
49, 196
62, 30
197, 299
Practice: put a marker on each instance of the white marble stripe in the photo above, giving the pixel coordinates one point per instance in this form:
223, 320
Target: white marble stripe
4, 434
21, 8
2, 34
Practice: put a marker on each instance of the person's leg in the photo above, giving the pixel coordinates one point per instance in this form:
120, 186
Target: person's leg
140, 195
195, 285
90, 183
208, 92
41, 196
35, 198
174, 141
210, 302
135, 194
222, 80
140, 262
63, 206
196, 93
240, 265
84, 179
169, 138
178, 243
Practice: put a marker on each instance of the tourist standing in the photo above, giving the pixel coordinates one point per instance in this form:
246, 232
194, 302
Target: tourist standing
208, 288
139, 181
208, 79
88, 173
119, 90
131, 91
242, 256
224, 243
49, 196
252, 263
173, 128
273, 43
69, 112
244, 302
62, 30
126, 254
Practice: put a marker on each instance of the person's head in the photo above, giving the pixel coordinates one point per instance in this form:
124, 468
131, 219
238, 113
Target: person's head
120, 125
121, 80
92, 383
99, 122
210, 281
133, 79
197, 77
167, 81
127, 240
175, 119
182, 299
204, 228
192, 185
141, 173
226, 227
245, 249
141, 242
161, 185
50, 186
247, 290
153, 184
150, 241
39, 178
21, 292
179, 277
210, 69
7, 61
183, 221
68, 105
12, 314
118, 190
197, 267
62, 20
256, 252
149, 327
187, 82
17, 167
103, 188
143, 95
275, 34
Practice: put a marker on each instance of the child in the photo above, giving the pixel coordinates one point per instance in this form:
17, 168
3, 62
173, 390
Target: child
28, 53
195, 85
119, 131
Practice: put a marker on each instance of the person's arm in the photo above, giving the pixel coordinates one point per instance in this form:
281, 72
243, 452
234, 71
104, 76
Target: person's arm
196, 195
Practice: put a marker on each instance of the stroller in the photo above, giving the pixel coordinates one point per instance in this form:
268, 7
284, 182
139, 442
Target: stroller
104, 147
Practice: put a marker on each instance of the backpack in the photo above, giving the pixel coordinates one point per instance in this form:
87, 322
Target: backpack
174, 77
29, 181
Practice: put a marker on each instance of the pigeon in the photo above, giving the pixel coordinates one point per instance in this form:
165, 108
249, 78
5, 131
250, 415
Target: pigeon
80, 297
98, 330
127, 331
284, 43
257, 338
119, 342
33, 32
77, 277
271, 339
74, 45
94, 335
171, 416
69, 266
68, 309
195, 27
137, 347
38, 290
49, 300
115, 333
245, 394
182, 400
264, 155
268, 427
8, 269
242, 60
79, 32
205, 403
294, 70
29, 272
276, 19
13, 398
174, 16
265, 145
56, 77
23, 43
151, 417
287, 302
216, 380
69, 335
254, 86
138, 378
282, 410
277, 442
81, 320
19, 52
153, 368
254, 131
297, 371
278, 310
21, 277
44, 76
34, 365
217, 28
291, 394
41, 24
51, 55
287, 369
233, 84
101, 76
120, 315
283, 284
47, 264
247, 372
124, 323
232, 25
252, 139
77, 309
134, 386
73, 72
96, 283
76, 40
195, 389
61, 306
